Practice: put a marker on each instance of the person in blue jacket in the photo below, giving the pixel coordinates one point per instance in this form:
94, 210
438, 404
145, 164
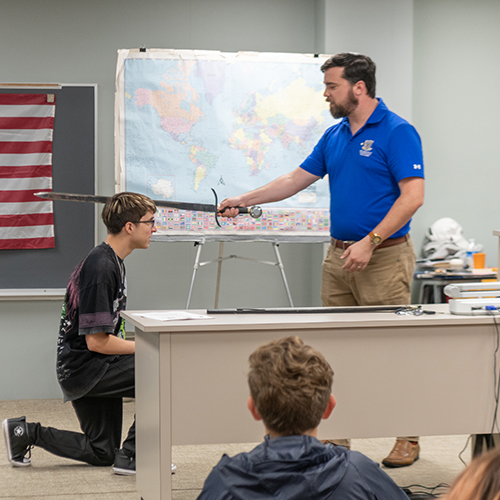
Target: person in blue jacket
290, 386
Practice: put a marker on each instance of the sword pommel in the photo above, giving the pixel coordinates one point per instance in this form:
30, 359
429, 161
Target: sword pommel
254, 212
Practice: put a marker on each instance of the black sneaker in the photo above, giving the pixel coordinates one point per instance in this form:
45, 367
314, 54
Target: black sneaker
124, 465
17, 441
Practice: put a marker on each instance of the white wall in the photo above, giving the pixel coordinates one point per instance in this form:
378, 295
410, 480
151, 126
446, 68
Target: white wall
456, 109
382, 29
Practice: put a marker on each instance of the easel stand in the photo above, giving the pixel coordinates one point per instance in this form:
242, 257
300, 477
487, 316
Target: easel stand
221, 259
273, 237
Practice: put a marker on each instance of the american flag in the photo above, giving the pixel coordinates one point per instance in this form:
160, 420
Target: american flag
26, 129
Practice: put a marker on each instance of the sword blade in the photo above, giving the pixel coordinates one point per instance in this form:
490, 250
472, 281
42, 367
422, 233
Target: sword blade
93, 198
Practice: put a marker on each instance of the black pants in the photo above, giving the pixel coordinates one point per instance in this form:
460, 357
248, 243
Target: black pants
100, 413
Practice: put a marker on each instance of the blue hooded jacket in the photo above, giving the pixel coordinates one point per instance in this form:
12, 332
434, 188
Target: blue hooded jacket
299, 468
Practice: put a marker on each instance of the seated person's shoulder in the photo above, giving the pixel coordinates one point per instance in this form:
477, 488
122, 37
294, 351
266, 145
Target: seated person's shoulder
368, 473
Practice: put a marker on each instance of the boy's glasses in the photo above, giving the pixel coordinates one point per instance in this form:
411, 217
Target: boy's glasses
152, 222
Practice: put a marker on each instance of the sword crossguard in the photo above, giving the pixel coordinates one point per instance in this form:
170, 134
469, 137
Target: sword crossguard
216, 206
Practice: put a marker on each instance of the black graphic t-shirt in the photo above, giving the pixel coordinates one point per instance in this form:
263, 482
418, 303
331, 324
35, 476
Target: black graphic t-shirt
96, 293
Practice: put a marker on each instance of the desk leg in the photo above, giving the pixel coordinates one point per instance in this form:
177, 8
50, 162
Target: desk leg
153, 448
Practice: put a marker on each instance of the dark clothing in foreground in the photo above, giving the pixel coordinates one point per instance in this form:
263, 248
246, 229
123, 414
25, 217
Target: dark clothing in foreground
299, 468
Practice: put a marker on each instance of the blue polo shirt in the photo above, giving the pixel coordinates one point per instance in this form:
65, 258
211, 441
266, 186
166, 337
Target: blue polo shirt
364, 170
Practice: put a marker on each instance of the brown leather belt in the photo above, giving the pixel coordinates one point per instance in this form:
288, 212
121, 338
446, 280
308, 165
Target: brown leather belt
386, 243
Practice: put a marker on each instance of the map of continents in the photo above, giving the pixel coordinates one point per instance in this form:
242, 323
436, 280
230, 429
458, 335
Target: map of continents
231, 125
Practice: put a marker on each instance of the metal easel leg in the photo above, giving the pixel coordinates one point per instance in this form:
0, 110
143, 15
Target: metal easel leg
220, 259
219, 270
282, 269
199, 244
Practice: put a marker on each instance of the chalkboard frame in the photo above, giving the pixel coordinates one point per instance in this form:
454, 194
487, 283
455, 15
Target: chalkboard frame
27, 273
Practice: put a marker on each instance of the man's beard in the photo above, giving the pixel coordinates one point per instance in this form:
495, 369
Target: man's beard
346, 108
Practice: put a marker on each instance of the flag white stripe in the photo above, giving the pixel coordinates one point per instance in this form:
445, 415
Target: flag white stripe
33, 227
21, 160
21, 184
28, 111
15, 135
29, 207
46, 231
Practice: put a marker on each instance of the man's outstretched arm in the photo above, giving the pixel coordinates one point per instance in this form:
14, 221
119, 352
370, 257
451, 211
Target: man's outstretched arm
279, 189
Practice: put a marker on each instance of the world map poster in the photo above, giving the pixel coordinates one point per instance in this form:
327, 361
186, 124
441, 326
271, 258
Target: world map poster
191, 121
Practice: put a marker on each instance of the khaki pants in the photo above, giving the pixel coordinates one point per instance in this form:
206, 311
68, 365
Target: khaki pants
385, 281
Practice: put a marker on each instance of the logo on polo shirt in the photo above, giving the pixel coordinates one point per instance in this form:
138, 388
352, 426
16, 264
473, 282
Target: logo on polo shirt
366, 148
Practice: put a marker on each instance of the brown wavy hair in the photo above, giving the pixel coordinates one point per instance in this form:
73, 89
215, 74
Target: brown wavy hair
290, 383
479, 481
125, 207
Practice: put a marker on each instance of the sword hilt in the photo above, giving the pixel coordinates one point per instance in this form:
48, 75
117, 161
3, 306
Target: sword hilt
254, 211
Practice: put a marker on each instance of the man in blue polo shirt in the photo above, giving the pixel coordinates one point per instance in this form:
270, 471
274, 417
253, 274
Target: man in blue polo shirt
374, 162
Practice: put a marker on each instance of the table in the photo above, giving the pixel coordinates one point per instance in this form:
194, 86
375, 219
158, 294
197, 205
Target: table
394, 376
435, 281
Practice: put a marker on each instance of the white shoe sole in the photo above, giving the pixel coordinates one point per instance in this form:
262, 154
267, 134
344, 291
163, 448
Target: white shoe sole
123, 472
128, 472
26, 461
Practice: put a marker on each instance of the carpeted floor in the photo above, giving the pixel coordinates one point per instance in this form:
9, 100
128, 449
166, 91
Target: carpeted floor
54, 478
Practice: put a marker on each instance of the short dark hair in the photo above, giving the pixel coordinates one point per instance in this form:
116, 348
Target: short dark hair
357, 67
290, 383
125, 207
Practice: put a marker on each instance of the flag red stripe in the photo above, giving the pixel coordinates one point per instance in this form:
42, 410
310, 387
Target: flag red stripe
25, 224
22, 123
25, 147
25, 99
25, 171
27, 243
20, 220
23, 196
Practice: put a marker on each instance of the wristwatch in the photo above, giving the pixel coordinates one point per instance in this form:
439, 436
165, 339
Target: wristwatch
375, 239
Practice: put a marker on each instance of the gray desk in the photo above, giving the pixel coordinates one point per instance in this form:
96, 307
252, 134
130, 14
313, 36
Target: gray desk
394, 376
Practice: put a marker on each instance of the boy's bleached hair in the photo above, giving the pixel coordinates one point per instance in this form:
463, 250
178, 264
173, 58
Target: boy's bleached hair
125, 207
479, 481
290, 383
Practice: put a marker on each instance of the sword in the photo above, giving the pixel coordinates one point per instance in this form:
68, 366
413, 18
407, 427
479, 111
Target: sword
254, 211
